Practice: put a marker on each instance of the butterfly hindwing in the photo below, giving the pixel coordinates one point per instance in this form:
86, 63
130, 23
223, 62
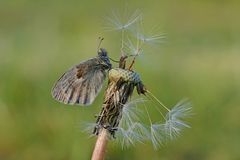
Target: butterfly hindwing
80, 84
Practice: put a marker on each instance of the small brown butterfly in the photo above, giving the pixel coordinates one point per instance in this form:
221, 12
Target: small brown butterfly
82, 83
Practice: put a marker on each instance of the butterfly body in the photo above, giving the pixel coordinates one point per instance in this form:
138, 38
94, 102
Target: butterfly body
82, 83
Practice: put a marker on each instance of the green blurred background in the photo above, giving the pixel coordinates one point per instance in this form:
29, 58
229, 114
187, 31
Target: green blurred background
39, 40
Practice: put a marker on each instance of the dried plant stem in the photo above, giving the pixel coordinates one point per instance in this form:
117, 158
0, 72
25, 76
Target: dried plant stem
101, 145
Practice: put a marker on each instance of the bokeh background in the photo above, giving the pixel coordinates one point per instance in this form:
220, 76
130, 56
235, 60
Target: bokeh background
200, 59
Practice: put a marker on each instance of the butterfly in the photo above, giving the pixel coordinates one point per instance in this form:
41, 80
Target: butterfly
82, 83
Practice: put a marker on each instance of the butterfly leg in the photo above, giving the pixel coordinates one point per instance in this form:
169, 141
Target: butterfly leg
111, 130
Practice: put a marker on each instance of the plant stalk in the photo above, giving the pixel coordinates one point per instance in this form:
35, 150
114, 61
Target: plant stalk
101, 145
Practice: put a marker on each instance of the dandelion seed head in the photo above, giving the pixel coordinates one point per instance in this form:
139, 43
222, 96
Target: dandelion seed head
133, 130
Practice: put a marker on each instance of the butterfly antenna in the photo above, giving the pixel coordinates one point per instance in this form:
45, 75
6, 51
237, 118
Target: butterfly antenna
100, 42
114, 60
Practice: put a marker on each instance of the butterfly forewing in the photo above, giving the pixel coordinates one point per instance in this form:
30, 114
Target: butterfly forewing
80, 84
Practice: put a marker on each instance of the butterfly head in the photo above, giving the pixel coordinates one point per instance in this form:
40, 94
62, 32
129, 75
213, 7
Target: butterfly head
102, 54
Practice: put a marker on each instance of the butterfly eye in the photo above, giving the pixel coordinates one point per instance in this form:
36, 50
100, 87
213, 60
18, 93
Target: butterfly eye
102, 53
104, 57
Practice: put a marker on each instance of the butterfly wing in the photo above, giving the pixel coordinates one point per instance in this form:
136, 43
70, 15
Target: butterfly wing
80, 84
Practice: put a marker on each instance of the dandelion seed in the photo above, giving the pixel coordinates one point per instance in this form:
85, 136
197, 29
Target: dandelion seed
131, 49
116, 22
130, 135
174, 123
151, 39
131, 113
87, 127
131, 129
182, 109
157, 135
